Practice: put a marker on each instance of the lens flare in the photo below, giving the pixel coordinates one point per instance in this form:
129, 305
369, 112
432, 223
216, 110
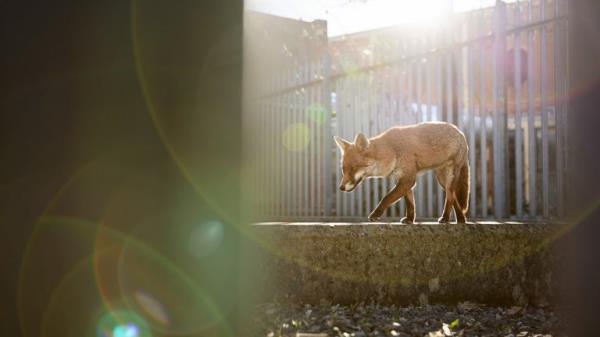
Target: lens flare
205, 239
122, 323
152, 285
152, 307
128, 330
296, 137
317, 113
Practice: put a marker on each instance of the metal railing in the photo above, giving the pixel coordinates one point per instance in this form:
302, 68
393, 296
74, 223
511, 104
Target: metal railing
500, 74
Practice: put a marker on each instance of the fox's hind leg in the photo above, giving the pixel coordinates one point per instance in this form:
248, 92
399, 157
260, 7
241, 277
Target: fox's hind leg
460, 215
445, 177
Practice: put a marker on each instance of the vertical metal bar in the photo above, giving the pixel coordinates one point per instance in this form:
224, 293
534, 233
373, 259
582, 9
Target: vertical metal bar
483, 132
402, 112
389, 119
358, 127
358, 118
260, 143
257, 147
261, 107
439, 104
322, 197
327, 137
499, 102
286, 122
420, 188
307, 152
349, 105
399, 79
518, 130
298, 154
544, 111
276, 146
394, 91
385, 95
429, 74
472, 149
289, 157
294, 142
314, 105
567, 90
450, 64
363, 86
373, 185
349, 135
321, 169
281, 111
381, 111
559, 109
314, 128
460, 86
340, 110
297, 193
282, 150
531, 138
272, 168
411, 99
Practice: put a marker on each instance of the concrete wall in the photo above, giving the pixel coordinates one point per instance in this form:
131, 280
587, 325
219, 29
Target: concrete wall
494, 263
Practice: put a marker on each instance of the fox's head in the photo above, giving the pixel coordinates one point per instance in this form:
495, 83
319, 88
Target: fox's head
356, 164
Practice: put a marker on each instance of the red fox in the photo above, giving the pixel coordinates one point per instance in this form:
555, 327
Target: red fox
404, 151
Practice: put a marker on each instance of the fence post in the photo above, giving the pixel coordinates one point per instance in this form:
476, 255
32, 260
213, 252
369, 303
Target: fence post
499, 104
327, 141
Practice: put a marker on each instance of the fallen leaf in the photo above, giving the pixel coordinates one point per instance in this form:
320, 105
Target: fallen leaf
438, 333
446, 330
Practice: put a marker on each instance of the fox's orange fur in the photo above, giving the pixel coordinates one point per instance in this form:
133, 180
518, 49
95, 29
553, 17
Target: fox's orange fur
404, 151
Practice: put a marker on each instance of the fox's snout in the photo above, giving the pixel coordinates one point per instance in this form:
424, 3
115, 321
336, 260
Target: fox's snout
348, 185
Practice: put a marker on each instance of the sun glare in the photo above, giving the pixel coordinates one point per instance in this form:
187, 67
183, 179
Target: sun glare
351, 16
407, 11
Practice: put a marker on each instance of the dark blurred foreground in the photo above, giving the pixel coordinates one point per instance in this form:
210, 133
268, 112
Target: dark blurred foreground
95, 156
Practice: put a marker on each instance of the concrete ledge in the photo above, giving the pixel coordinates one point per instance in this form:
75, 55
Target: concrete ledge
489, 262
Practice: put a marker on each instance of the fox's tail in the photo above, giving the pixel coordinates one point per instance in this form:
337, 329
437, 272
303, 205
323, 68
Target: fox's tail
462, 189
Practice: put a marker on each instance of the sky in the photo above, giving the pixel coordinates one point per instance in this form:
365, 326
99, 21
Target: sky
350, 16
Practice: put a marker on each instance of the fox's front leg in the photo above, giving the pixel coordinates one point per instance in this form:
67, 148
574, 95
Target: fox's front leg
402, 188
410, 207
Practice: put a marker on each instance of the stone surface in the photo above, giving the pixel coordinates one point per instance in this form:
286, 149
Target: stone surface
485, 262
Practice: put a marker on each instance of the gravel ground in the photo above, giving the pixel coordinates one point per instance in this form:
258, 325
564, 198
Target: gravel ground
465, 319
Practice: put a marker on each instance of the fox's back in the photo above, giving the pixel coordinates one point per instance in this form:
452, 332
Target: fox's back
430, 144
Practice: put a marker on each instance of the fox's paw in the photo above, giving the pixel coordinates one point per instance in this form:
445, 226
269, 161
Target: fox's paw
461, 219
443, 220
407, 220
375, 215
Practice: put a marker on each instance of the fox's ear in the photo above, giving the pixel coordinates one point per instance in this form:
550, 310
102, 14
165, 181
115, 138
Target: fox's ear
361, 141
342, 143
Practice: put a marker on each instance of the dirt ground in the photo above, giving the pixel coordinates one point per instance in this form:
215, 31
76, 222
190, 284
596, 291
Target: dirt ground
465, 319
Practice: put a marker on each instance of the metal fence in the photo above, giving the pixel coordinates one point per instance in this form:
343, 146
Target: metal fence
500, 74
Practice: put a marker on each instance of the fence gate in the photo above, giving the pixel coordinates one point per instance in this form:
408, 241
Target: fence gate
499, 74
